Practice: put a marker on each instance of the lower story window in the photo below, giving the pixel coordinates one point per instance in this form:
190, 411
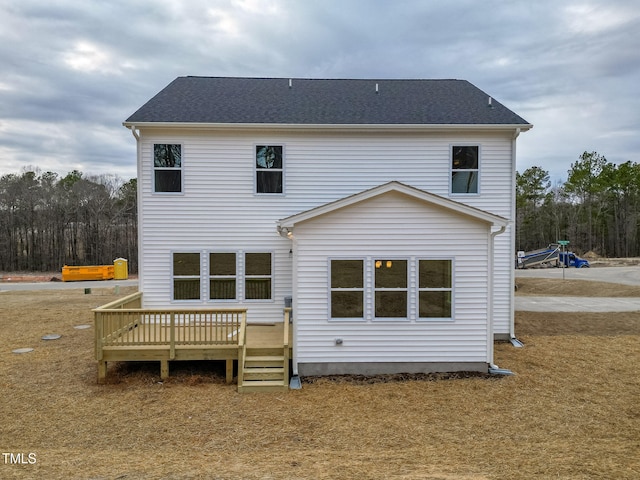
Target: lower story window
390, 288
347, 289
434, 288
222, 276
391, 291
258, 274
186, 276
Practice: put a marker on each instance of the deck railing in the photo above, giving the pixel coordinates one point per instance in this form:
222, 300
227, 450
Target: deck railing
124, 323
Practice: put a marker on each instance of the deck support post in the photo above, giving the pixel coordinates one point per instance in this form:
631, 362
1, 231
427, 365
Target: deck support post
229, 376
164, 369
102, 371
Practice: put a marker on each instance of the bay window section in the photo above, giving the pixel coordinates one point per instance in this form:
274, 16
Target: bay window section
258, 275
434, 288
390, 295
186, 276
347, 289
222, 276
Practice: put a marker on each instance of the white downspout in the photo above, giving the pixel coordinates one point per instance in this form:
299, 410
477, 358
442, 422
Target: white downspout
288, 233
136, 134
512, 280
490, 340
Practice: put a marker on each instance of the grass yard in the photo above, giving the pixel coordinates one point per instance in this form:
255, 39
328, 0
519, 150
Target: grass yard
571, 412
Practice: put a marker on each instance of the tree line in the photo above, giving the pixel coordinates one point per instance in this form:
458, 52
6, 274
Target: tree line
596, 209
48, 221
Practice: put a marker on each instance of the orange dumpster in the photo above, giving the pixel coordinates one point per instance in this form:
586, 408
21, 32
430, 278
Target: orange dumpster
95, 272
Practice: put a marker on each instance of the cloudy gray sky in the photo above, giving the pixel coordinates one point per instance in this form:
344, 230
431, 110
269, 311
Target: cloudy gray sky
74, 70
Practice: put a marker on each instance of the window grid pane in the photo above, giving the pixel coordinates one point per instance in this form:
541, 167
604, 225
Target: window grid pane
186, 289
186, 264
391, 304
168, 181
434, 304
435, 274
347, 304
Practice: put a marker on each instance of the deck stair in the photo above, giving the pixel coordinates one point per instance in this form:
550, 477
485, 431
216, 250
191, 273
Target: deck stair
263, 366
264, 370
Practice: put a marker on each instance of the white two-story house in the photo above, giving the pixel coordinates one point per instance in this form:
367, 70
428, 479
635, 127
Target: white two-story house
381, 209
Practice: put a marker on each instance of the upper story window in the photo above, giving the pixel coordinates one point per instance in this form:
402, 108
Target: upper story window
269, 169
167, 168
464, 169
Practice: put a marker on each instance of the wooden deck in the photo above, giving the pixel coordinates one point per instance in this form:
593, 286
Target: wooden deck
127, 332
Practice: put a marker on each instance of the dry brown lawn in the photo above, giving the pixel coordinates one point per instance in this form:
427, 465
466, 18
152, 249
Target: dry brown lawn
572, 411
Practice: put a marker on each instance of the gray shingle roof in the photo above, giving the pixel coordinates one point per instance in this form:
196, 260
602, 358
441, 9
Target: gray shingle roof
232, 100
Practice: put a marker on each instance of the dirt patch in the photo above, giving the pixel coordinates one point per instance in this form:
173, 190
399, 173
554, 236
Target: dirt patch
29, 278
584, 323
570, 411
597, 261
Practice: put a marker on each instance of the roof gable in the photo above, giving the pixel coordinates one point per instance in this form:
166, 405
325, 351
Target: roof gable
415, 193
281, 101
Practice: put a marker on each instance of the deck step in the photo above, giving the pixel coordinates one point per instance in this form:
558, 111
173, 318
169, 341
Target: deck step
264, 361
264, 373
263, 386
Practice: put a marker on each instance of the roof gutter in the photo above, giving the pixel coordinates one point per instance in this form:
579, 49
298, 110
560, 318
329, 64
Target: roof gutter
330, 126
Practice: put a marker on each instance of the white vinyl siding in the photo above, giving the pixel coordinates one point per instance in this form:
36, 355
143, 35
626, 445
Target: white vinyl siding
219, 209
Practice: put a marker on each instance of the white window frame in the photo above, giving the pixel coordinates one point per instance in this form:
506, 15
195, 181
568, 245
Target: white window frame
452, 146
331, 289
186, 277
374, 289
244, 276
235, 277
438, 289
256, 169
155, 169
